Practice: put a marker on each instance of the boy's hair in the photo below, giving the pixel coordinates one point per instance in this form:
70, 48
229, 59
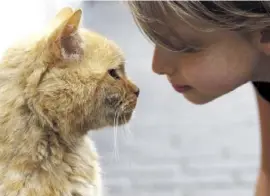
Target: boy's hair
204, 16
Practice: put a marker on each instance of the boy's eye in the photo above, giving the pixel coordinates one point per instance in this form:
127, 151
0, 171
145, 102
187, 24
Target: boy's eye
185, 49
190, 50
175, 45
113, 73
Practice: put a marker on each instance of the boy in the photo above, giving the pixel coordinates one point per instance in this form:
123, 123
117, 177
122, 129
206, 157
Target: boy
209, 48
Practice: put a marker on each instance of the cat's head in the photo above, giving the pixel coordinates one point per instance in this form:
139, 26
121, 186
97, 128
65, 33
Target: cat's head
74, 78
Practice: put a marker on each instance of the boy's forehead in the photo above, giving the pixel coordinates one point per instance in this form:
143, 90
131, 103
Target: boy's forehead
198, 32
185, 31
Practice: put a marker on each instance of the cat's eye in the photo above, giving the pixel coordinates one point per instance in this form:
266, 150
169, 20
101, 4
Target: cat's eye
113, 73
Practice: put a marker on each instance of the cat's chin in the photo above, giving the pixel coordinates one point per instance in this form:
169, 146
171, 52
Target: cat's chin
121, 119
126, 118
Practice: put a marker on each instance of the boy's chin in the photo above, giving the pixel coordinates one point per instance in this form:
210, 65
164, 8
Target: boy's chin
199, 100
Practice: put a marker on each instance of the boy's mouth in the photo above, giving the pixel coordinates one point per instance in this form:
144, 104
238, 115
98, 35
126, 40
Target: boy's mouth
181, 88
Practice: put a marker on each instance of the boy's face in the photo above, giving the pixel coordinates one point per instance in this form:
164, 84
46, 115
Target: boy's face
225, 60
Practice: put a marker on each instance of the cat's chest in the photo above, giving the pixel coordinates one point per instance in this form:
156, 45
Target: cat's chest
74, 173
81, 170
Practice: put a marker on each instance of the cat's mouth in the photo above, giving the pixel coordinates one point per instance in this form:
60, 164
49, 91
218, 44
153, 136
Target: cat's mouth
122, 114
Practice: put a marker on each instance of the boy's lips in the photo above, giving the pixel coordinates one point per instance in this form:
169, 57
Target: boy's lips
181, 88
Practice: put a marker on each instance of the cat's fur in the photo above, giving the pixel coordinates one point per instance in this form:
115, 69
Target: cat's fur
53, 89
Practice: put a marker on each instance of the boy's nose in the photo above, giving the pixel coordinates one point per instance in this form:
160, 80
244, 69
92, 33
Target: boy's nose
161, 63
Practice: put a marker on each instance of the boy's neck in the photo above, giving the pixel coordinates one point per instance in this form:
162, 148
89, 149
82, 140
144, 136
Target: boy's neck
261, 72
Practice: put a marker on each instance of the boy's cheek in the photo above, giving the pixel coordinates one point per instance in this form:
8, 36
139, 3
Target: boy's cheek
214, 79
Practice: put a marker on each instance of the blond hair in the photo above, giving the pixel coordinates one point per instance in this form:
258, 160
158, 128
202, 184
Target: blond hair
204, 16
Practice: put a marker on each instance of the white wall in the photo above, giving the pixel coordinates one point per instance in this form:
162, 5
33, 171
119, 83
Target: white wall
19, 18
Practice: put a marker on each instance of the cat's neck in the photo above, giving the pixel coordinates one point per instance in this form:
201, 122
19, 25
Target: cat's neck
23, 136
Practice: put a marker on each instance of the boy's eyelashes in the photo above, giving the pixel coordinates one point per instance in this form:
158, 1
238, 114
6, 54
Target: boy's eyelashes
187, 49
191, 50
184, 49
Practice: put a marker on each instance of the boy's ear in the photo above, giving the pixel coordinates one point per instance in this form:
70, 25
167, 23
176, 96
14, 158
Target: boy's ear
265, 40
63, 41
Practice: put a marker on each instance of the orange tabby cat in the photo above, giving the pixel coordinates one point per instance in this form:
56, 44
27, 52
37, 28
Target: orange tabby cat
53, 89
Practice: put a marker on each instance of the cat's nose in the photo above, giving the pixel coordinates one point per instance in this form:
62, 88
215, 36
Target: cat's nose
137, 92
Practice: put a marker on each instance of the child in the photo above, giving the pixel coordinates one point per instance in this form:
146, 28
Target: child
209, 48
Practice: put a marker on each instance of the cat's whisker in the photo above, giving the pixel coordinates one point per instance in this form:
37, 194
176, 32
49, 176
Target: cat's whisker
115, 126
114, 130
123, 124
126, 128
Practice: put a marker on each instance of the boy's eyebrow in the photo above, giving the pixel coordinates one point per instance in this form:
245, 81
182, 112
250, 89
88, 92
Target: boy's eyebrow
185, 42
169, 37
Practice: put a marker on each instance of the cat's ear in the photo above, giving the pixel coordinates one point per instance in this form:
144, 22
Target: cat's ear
64, 13
64, 42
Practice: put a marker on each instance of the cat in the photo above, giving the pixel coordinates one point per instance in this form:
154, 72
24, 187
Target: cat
54, 88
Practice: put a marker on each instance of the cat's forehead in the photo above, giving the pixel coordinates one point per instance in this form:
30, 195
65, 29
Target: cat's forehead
101, 49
